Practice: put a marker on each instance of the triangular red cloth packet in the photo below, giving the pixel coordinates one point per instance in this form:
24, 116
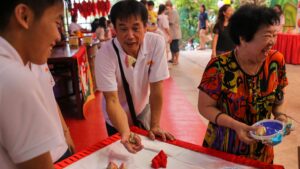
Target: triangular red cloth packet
160, 160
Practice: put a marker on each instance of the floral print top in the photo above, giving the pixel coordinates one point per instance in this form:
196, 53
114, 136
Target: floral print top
246, 98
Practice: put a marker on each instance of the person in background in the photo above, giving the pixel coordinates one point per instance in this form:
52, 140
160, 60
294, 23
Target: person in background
280, 13
175, 32
74, 27
94, 24
221, 41
102, 31
163, 25
202, 26
152, 15
244, 86
111, 28
28, 32
152, 18
141, 58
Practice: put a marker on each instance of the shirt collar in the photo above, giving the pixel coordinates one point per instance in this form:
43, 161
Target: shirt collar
9, 52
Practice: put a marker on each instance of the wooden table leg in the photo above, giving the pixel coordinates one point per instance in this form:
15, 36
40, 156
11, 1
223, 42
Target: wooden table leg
76, 89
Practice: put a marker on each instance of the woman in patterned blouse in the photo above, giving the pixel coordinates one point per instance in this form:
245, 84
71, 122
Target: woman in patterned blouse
244, 86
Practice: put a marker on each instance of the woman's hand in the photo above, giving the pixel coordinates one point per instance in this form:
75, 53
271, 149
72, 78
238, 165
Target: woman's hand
242, 130
287, 121
132, 142
157, 131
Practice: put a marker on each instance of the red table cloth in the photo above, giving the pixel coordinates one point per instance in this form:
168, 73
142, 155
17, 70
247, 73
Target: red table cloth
289, 46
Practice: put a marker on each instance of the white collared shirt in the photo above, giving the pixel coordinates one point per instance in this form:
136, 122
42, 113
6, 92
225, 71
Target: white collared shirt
26, 128
151, 66
46, 81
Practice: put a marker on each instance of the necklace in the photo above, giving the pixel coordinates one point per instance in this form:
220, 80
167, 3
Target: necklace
243, 67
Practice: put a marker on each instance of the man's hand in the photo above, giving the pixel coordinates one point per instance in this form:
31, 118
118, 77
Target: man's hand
69, 141
157, 131
132, 142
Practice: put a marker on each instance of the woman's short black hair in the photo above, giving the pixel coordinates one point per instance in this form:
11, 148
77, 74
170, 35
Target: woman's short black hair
38, 7
248, 19
127, 8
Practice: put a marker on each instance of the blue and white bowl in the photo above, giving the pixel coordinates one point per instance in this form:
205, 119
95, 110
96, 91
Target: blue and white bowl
274, 131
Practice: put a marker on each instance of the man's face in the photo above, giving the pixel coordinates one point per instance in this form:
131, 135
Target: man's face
43, 33
130, 33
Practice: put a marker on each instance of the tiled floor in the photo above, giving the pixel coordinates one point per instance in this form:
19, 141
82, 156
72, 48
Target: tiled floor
187, 76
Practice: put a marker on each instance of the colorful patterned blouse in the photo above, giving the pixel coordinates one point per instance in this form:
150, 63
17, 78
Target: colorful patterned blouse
246, 98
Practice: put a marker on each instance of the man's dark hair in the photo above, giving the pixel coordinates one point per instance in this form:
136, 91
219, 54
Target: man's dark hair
248, 19
38, 7
150, 3
127, 8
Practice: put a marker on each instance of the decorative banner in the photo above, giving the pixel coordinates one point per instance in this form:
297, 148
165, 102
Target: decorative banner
88, 8
85, 77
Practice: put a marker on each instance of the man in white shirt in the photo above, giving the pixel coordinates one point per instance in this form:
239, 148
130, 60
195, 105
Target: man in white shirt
46, 81
28, 31
142, 57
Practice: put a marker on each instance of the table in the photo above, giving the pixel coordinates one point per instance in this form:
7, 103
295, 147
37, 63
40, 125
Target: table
181, 155
62, 63
289, 46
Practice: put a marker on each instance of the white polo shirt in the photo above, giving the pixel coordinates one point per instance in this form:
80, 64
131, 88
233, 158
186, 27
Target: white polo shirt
47, 83
151, 66
26, 128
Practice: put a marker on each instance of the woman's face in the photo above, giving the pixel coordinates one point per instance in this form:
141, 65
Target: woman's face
201, 9
228, 13
262, 42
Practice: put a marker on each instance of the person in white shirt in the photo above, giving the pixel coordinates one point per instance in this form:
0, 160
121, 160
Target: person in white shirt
46, 81
103, 33
28, 31
74, 27
143, 61
163, 24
